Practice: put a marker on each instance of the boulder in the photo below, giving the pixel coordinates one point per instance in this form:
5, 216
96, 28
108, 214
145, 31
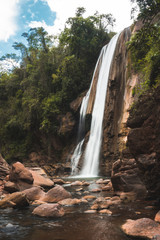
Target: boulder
11, 187
34, 193
20, 173
4, 168
49, 210
125, 178
157, 217
105, 211
89, 197
17, 200
70, 201
40, 180
77, 183
55, 194
59, 181
90, 211
143, 227
102, 181
96, 190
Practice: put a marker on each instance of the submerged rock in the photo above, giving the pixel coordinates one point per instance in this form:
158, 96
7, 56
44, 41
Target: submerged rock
143, 227
49, 210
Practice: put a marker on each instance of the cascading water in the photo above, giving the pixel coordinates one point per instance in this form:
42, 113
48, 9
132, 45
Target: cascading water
92, 152
81, 129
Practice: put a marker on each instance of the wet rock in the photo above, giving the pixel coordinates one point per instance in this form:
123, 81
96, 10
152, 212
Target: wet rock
127, 196
17, 200
11, 187
79, 189
108, 187
157, 217
56, 194
95, 207
90, 211
102, 181
59, 181
4, 168
105, 211
96, 190
49, 210
102, 203
70, 201
125, 178
89, 197
143, 227
40, 180
19, 172
85, 183
34, 193
77, 183
143, 138
115, 198
37, 203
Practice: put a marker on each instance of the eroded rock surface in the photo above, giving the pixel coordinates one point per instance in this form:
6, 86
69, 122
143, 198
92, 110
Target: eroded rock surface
49, 210
143, 227
56, 194
144, 138
20, 173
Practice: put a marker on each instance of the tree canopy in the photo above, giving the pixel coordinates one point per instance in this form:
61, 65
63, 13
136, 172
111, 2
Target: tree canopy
34, 95
145, 43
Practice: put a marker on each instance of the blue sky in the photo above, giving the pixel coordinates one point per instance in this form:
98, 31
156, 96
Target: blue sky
18, 16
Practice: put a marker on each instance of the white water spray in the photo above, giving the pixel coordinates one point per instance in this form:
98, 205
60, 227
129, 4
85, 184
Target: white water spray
92, 152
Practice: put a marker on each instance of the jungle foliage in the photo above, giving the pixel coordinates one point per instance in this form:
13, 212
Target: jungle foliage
50, 76
145, 44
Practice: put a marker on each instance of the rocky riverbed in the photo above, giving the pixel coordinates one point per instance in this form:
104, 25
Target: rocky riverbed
33, 206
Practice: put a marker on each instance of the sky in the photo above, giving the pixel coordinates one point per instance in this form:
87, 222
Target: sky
18, 16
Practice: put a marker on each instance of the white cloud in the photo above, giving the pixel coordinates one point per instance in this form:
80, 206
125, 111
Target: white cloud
36, 24
8, 14
8, 64
65, 9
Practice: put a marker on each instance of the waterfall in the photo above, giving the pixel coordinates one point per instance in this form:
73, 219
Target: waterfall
92, 152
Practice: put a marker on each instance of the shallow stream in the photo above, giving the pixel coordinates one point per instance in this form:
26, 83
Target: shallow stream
75, 225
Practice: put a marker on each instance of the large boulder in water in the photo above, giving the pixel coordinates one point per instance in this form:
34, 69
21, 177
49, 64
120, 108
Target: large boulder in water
49, 210
34, 193
56, 194
20, 173
144, 228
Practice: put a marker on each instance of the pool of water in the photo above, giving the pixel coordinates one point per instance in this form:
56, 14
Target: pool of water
75, 225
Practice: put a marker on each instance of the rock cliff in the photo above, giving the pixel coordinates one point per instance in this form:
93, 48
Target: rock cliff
144, 138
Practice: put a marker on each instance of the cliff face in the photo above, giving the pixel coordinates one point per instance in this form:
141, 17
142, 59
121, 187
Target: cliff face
144, 138
118, 100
